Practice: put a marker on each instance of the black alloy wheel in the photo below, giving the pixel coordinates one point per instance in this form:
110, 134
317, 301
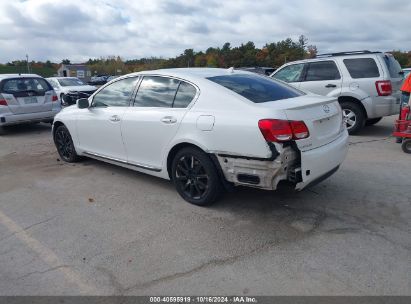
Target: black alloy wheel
64, 144
195, 177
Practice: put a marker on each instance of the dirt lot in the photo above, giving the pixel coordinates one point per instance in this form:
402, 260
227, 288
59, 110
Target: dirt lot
93, 228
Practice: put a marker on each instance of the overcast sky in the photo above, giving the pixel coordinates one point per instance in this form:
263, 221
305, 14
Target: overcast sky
82, 29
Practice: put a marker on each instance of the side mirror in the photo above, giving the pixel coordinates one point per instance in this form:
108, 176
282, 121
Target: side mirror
82, 103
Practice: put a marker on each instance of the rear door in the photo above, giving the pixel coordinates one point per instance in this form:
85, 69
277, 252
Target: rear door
149, 126
292, 74
27, 94
322, 78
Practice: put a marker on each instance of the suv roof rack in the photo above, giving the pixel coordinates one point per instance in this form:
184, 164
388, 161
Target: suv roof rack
346, 53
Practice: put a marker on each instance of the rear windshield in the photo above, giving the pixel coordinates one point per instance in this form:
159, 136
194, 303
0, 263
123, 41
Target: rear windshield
393, 66
36, 86
256, 88
70, 82
362, 68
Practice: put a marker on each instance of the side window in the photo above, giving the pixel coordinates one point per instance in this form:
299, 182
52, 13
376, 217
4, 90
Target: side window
116, 94
324, 70
156, 91
185, 94
291, 73
362, 68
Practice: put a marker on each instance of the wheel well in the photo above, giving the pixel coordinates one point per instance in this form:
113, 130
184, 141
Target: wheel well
353, 100
56, 125
174, 151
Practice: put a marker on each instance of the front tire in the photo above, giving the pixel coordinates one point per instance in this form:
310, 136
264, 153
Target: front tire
406, 146
372, 121
353, 116
195, 177
64, 145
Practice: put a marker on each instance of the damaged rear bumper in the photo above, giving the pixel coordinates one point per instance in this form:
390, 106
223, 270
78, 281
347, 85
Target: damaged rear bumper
287, 164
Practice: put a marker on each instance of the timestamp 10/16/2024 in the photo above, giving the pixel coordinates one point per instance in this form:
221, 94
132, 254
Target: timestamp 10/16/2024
203, 299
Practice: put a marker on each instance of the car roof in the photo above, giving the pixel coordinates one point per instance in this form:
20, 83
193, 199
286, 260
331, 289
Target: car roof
5, 76
193, 73
61, 77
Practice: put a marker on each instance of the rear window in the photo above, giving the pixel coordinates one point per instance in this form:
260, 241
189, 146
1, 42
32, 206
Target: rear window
18, 86
362, 68
393, 66
256, 88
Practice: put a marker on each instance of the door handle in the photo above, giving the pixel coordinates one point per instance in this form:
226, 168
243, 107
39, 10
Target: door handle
114, 118
169, 120
331, 85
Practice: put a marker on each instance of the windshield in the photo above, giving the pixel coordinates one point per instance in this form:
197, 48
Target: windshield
393, 66
70, 82
256, 88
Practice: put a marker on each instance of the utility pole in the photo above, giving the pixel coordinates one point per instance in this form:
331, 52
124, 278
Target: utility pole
28, 66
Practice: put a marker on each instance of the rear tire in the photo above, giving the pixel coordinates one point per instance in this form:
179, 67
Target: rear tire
353, 116
64, 145
406, 146
372, 121
195, 177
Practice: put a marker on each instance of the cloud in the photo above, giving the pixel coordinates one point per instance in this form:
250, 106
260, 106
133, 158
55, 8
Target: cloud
82, 29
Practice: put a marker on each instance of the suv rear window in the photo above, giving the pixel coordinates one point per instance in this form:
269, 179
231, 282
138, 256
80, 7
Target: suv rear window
362, 68
256, 88
393, 66
21, 86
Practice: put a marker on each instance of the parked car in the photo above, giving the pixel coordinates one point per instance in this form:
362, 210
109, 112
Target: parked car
406, 71
259, 70
98, 80
367, 84
26, 98
206, 128
71, 86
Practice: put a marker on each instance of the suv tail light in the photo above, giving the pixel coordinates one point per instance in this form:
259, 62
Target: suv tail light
278, 130
54, 98
384, 87
3, 102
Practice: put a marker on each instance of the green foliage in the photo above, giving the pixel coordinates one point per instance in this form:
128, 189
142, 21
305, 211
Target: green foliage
404, 58
271, 55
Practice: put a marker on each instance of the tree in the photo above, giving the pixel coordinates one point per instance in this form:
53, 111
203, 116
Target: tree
65, 61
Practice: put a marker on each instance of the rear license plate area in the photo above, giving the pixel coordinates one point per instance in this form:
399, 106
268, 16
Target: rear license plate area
30, 100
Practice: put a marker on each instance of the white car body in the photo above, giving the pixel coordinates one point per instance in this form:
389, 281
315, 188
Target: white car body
56, 83
221, 123
26, 98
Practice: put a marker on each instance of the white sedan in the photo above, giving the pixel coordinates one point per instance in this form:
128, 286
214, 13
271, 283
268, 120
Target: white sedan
207, 129
72, 86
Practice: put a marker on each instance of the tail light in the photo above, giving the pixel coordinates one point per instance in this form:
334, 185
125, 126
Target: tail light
54, 98
384, 87
278, 130
3, 102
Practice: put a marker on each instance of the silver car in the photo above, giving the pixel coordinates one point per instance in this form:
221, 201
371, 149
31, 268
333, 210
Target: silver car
367, 84
26, 98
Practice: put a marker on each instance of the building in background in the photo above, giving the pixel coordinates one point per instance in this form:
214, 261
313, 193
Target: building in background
80, 71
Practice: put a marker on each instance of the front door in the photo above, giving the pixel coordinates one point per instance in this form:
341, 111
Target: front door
99, 126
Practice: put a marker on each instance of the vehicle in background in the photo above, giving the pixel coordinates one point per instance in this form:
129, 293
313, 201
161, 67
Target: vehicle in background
110, 78
71, 86
26, 98
406, 71
259, 70
98, 80
367, 84
207, 128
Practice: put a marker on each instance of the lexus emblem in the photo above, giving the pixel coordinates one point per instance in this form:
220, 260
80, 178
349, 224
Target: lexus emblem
326, 108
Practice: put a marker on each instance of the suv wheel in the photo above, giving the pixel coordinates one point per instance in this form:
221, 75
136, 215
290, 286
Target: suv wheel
195, 177
353, 116
64, 145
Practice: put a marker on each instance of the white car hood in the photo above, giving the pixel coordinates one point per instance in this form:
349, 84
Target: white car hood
79, 88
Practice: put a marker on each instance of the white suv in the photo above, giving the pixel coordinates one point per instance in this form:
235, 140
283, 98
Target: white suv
367, 84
